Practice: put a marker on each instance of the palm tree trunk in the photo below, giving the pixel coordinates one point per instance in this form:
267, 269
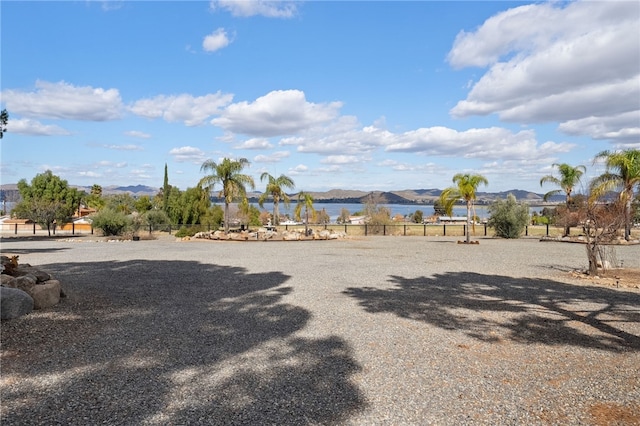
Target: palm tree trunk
226, 217
468, 220
627, 219
276, 213
306, 221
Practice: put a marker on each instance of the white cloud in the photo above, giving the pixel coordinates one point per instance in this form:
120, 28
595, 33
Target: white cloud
271, 158
90, 174
267, 8
281, 112
191, 110
298, 170
64, 101
188, 154
343, 159
129, 147
624, 128
487, 143
110, 164
254, 143
553, 62
25, 126
216, 40
137, 134
343, 136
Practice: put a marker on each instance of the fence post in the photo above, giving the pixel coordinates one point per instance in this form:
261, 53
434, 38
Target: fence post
547, 229
73, 228
405, 229
345, 228
92, 229
425, 229
15, 228
444, 229
169, 229
150, 229
526, 230
485, 229
365, 229
54, 228
384, 230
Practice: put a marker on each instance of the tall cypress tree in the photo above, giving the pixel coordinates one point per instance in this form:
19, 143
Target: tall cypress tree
165, 190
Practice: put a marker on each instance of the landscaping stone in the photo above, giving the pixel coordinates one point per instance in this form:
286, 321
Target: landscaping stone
14, 303
46, 295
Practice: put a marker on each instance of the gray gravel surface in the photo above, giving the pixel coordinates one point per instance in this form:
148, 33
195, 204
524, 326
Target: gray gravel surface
369, 331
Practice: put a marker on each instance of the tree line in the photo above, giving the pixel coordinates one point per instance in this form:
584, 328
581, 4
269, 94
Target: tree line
49, 199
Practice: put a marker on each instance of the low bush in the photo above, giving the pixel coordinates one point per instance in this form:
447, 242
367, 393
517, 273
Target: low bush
508, 217
190, 231
111, 222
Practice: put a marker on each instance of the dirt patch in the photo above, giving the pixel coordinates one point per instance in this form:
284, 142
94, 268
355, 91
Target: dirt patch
614, 414
621, 278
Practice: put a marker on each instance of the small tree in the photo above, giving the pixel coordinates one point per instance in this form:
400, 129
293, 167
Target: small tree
418, 216
601, 225
508, 217
47, 199
322, 217
345, 216
377, 216
156, 219
438, 208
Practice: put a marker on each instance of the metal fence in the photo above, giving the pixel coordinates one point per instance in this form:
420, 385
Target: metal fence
400, 229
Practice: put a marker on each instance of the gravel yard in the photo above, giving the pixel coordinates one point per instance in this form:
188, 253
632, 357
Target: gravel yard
367, 331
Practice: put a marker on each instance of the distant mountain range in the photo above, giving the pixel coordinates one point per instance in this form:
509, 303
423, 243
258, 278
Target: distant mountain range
9, 192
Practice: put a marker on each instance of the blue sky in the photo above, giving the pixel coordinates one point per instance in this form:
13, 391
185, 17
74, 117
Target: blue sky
349, 95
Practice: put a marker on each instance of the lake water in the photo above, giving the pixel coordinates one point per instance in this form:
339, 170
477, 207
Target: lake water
334, 209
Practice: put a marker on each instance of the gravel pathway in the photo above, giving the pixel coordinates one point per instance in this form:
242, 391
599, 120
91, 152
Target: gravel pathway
369, 331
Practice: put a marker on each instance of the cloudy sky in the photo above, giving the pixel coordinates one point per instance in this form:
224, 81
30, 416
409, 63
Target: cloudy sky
349, 95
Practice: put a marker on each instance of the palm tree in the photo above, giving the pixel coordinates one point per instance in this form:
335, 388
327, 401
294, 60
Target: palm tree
569, 178
228, 174
275, 190
622, 173
466, 187
304, 200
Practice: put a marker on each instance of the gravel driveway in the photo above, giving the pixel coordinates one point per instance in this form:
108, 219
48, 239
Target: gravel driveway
370, 331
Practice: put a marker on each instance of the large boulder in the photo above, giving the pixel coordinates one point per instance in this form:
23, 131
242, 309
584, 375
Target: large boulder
46, 294
14, 303
291, 236
24, 282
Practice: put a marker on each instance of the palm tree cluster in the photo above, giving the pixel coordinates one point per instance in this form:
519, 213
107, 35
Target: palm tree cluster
228, 174
622, 175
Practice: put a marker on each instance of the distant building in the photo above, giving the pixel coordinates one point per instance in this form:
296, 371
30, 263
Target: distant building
357, 220
452, 219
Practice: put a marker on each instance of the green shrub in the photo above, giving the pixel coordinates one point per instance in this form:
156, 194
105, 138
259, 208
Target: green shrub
418, 216
189, 231
111, 222
158, 219
508, 217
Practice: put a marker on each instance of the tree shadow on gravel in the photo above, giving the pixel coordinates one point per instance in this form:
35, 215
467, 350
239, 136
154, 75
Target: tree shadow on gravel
172, 342
525, 310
